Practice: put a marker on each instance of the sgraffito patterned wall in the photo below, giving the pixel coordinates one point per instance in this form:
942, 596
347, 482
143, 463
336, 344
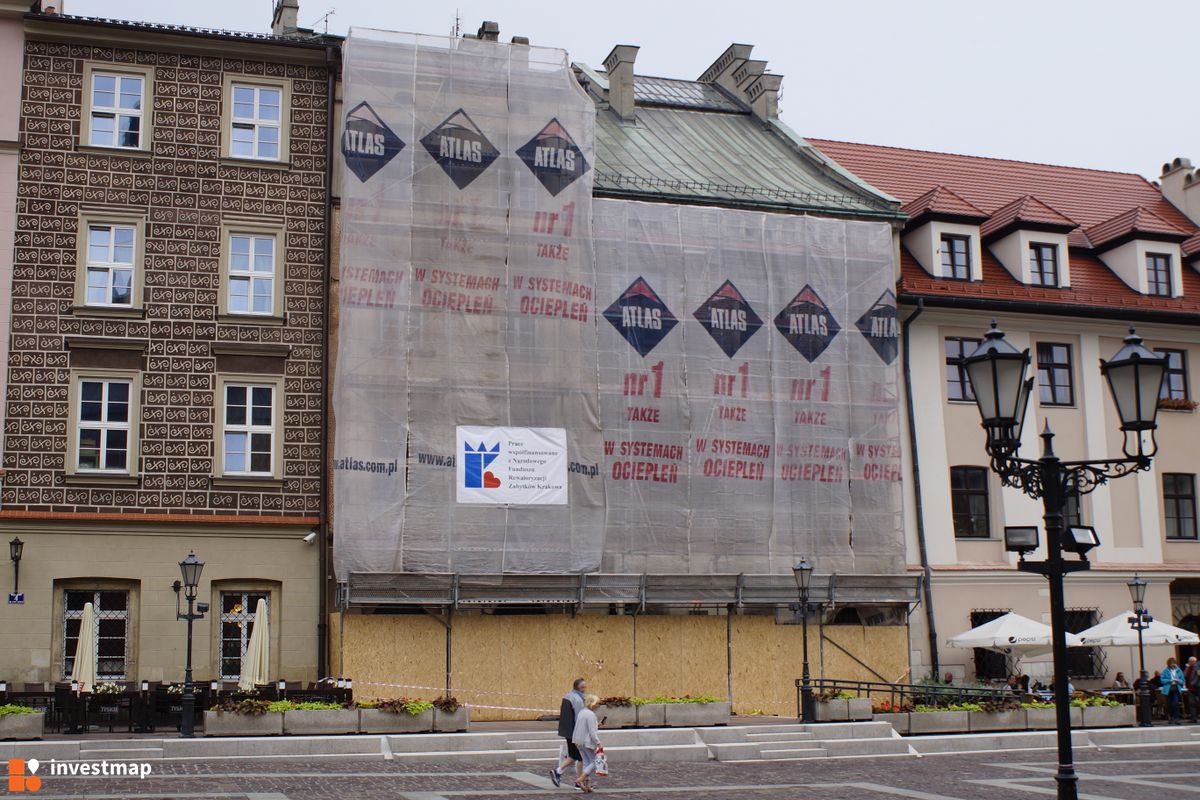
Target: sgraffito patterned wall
185, 191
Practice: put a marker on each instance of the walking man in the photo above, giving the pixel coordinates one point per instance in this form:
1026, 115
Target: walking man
572, 704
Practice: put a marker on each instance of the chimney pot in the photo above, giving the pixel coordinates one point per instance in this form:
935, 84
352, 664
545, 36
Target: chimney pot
619, 66
489, 31
285, 20
520, 40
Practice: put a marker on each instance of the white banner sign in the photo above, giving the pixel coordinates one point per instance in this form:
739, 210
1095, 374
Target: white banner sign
512, 466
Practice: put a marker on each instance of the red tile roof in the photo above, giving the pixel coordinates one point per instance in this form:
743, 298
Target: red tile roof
1025, 209
1191, 246
943, 201
1133, 221
1086, 196
1100, 203
1093, 285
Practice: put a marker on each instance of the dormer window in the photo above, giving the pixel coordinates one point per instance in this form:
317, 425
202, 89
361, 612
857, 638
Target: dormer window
956, 257
1158, 274
1043, 264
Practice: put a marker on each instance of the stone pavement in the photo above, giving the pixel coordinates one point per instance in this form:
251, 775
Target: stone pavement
1126, 774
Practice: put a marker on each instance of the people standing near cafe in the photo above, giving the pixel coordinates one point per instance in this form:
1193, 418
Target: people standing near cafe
1172, 681
1191, 689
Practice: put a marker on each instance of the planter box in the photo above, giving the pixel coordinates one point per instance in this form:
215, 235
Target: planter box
372, 720
652, 715
832, 710
617, 716
216, 724
1043, 719
339, 720
22, 726
898, 721
920, 722
1000, 721
694, 715
860, 708
1108, 716
458, 721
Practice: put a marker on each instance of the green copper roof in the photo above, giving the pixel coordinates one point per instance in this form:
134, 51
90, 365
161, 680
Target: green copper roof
691, 142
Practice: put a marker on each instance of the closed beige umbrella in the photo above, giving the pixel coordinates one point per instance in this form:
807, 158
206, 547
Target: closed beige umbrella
257, 660
84, 668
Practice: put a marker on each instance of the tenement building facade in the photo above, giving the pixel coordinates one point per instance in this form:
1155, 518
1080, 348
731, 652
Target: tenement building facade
1065, 260
166, 379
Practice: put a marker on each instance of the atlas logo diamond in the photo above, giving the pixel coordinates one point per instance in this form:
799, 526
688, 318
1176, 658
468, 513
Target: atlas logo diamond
728, 318
368, 144
554, 158
460, 148
641, 316
807, 324
878, 325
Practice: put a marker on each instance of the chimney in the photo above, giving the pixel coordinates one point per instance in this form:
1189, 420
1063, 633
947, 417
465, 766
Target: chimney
489, 31
286, 17
746, 79
721, 71
53, 8
619, 66
763, 94
1179, 185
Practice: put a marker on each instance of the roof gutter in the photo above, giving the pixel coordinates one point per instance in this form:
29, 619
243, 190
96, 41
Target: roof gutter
919, 505
753, 205
1056, 309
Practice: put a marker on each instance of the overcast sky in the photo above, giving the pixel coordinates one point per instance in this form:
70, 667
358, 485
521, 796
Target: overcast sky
1111, 84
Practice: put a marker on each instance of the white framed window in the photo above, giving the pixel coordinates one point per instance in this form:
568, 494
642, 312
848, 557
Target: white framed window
111, 251
111, 609
256, 121
102, 442
248, 432
114, 104
251, 274
238, 617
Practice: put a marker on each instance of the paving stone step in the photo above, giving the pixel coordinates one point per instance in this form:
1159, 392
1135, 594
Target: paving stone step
798, 736
118, 744
122, 754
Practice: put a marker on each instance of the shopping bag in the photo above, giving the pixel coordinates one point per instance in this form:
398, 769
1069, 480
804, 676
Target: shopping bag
601, 762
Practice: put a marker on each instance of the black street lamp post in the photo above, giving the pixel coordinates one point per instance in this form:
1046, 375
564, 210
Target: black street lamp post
190, 568
997, 373
803, 572
1140, 621
15, 549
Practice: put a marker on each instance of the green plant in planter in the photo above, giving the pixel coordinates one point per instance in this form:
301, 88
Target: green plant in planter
447, 704
402, 705
1093, 702
1001, 706
251, 708
617, 702
314, 705
951, 707
1037, 704
825, 697
665, 700
15, 709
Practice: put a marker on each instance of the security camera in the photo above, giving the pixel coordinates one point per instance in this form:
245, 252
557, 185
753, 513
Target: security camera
310, 537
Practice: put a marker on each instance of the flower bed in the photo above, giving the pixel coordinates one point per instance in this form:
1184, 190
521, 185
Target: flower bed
617, 712
242, 718
841, 707
1001, 715
449, 715
315, 718
677, 712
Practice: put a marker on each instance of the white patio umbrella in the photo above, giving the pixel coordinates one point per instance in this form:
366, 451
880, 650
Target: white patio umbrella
1012, 635
1115, 632
257, 660
83, 669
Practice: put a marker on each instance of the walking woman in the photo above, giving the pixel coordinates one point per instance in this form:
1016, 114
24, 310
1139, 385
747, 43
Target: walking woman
587, 739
